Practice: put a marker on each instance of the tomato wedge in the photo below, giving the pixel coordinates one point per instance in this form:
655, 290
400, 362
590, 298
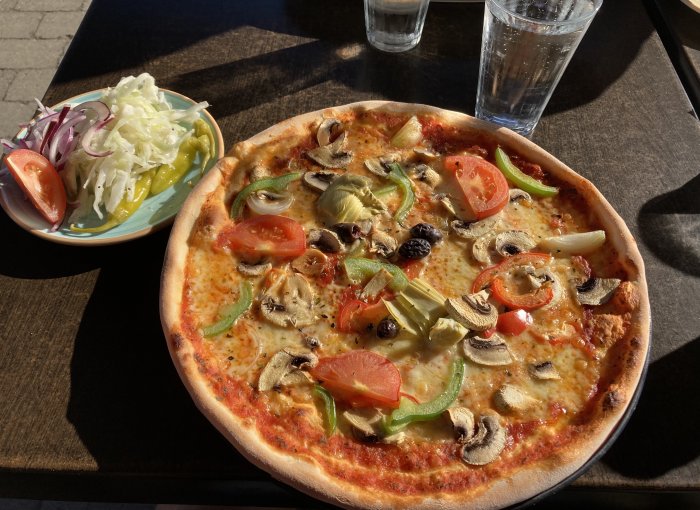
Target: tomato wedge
348, 312
263, 236
360, 379
513, 322
40, 182
484, 187
358, 316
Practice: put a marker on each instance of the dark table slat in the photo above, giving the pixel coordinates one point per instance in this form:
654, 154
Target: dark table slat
94, 405
679, 28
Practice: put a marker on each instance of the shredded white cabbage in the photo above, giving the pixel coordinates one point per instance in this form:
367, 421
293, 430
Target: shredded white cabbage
145, 133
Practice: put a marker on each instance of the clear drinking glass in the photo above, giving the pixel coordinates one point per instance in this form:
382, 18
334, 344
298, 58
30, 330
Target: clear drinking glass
395, 25
526, 46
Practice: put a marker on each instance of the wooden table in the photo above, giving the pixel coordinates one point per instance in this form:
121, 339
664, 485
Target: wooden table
679, 28
92, 408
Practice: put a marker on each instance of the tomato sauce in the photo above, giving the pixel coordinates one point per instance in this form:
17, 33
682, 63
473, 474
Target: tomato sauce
392, 468
418, 466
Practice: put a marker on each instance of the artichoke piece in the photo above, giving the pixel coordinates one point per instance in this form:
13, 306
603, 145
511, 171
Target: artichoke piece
417, 307
447, 332
348, 199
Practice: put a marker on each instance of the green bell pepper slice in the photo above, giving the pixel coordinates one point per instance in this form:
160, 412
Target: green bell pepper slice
385, 190
329, 407
230, 313
360, 268
409, 411
520, 179
399, 177
277, 184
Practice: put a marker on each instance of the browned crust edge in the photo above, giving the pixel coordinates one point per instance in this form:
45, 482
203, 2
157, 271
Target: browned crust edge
307, 476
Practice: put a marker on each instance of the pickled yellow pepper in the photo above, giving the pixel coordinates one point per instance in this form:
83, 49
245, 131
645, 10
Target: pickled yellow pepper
202, 143
125, 208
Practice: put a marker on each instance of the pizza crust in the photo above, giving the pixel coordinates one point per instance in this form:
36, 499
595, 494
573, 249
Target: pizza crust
306, 475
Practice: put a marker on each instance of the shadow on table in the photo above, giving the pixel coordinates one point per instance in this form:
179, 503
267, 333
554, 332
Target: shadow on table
662, 433
339, 53
610, 45
127, 403
31, 257
670, 227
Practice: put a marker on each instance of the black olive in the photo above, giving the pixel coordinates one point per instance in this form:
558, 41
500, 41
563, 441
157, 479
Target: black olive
387, 328
347, 232
426, 231
414, 249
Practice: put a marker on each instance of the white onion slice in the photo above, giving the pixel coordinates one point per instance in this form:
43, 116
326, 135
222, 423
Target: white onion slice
409, 135
269, 202
574, 244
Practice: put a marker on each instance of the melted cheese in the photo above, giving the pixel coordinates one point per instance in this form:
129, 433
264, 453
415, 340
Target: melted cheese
451, 269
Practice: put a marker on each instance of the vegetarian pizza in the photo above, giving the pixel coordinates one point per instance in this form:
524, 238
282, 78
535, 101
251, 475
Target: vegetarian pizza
390, 305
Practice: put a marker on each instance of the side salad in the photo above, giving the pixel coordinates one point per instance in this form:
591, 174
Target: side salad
107, 156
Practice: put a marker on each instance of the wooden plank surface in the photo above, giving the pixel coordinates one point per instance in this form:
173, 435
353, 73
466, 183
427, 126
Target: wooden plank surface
91, 400
679, 27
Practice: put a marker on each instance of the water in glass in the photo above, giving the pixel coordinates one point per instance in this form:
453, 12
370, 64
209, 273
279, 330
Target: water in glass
524, 53
395, 25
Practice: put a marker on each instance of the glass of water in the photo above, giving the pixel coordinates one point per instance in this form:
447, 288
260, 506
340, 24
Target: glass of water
395, 25
526, 46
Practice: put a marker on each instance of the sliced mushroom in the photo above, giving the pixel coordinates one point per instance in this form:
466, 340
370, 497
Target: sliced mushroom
512, 242
491, 352
254, 269
518, 195
481, 249
311, 263
375, 166
332, 155
366, 424
311, 341
544, 371
348, 232
285, 367
511, 399
538, 277
426, 174
426, 153
446, 202
319, 181
325, 240
596, 291
379, 166
382, 244
462, 420
473, 311
534, 279
475, 229
289, 301
487, 444
326, 131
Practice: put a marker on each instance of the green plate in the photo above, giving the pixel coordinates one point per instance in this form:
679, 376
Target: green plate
156, 212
